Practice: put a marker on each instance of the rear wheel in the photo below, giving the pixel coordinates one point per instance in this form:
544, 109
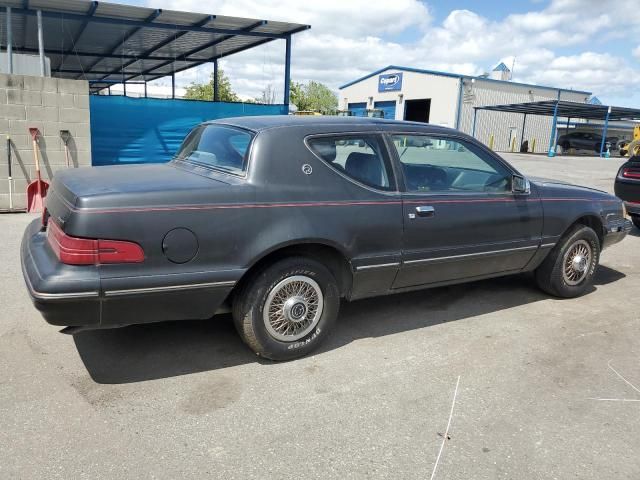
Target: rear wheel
568, 270
286, 310
636, 220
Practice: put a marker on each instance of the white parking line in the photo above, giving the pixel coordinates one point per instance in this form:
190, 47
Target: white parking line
623, 379
615, 399
446, 432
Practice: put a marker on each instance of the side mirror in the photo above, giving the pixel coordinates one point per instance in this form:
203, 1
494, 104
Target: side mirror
520, 185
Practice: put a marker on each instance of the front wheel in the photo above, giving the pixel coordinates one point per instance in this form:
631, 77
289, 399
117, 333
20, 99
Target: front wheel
568, 270
636, 220
287, 309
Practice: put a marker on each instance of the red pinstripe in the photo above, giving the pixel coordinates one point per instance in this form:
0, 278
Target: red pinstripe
326, 204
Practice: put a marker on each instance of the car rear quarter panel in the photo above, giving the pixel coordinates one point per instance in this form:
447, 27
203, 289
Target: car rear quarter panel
238, 223
363, 224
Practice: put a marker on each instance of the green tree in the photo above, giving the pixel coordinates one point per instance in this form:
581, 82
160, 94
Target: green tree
297, 96
313, 96
204, 91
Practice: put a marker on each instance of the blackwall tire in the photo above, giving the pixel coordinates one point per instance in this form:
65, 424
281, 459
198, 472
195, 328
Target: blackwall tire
287, 309
568, 270
636, 220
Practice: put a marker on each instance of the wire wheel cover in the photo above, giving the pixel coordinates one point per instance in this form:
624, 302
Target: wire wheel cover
293, 308
576, 263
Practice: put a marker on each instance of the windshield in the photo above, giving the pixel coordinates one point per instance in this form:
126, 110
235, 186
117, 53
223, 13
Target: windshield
216, 146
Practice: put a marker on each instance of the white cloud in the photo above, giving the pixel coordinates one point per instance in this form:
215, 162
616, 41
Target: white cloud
350, 38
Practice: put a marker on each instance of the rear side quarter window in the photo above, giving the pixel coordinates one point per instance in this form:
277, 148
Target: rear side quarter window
362, 158
217, 147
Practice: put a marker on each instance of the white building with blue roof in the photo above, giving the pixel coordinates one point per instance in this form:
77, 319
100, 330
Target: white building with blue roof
448, 99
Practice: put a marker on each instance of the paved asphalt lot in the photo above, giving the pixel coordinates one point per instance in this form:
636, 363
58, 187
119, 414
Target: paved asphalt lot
188, 400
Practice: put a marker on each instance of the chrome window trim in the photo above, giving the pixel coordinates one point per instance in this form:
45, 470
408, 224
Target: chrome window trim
455, 136
394, 191
389, 133
246, 162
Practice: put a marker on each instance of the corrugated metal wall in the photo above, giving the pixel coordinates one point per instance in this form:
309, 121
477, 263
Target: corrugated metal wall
499, 124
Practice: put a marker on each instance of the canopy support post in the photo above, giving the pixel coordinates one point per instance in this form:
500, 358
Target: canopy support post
9, 42
524, 125
40, 43
604, 132
473, 128
554, 126
216, 86
459, 108
287, 71
173, 85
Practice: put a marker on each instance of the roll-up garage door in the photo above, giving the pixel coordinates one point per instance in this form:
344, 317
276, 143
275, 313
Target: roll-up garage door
358, 109
388, 107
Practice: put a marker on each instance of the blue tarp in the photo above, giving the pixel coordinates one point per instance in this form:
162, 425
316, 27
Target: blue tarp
150, 130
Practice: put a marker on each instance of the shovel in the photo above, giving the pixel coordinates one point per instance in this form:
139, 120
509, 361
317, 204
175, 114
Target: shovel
65, 135
10, 178
37, 190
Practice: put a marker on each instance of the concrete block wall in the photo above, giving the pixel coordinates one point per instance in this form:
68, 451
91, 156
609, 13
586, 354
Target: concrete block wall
51, 105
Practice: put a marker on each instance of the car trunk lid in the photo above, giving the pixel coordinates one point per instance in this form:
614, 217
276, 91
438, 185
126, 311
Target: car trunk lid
129, 186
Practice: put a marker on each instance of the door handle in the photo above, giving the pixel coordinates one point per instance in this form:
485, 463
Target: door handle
425, 211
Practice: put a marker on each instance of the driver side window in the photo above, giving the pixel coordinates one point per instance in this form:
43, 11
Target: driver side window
433, 164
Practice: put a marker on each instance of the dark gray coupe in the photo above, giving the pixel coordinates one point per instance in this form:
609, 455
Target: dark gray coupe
278, 218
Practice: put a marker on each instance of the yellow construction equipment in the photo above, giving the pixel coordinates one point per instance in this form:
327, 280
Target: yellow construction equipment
631, 148
307, 112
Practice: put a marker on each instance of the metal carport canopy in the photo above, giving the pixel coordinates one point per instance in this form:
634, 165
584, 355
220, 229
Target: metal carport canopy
568, 110
565, 109
109, 43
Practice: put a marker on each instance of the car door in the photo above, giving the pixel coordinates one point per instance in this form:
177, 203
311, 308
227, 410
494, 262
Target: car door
461, 219
588, 140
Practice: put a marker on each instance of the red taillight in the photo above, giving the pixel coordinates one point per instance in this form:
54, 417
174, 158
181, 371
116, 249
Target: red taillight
631, 173
87, 251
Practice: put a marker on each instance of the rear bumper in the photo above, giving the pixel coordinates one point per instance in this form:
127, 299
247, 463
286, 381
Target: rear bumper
616, 231
70, 295
628, 190
65, 295
633, 207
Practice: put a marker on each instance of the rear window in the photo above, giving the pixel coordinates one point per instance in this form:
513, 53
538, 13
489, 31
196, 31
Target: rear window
216, 146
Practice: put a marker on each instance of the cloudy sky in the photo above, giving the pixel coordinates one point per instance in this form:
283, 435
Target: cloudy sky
589, 45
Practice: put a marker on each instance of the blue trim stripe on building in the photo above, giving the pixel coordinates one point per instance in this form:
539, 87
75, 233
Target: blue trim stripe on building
456, 75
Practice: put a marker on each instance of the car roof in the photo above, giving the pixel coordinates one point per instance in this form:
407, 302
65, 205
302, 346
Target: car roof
266, 122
